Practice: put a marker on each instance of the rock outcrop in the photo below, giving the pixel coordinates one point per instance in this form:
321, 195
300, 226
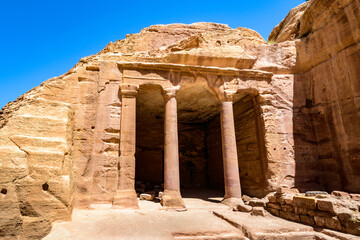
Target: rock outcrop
296, 112
327, 93
60, 141
289, 28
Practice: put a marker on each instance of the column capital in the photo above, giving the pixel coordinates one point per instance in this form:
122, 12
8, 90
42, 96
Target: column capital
129, 90
170, 92
228, 95
228, 90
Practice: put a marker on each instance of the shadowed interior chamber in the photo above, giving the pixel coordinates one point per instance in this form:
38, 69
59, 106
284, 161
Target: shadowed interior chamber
200, 151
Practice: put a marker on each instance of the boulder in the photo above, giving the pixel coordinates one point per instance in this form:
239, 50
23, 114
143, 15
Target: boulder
340, 194
344, 214
290, 216
322, 194
287, 199
274, 211
257, 202
333, 223
325, 205
309, 220
287, 208
272, 199
243, 208
305, 202
258, 211
246, 198
355, 197
274, 205
149, 196
301, 211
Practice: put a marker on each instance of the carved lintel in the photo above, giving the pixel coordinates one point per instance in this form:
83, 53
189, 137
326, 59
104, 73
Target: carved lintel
129, 90
248, 89
170, 92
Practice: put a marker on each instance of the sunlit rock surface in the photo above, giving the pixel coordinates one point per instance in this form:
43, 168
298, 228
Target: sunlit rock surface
296, 115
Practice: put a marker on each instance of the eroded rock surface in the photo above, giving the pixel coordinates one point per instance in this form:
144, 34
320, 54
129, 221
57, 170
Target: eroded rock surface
326, 92
296, 112
331, 91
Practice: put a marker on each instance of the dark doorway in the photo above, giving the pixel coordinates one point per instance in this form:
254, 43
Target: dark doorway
149, 138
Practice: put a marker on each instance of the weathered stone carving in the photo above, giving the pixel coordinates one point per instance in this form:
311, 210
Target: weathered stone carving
125, 196
218, 105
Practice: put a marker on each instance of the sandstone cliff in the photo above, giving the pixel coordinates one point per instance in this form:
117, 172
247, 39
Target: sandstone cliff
59, 142
327, 92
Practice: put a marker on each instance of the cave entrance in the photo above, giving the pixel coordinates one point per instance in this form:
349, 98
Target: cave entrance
200, 148
200, 155
149, 155
199, 134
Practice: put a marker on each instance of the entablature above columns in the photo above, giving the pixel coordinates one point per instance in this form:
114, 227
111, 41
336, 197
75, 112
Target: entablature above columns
162, 71
222, 82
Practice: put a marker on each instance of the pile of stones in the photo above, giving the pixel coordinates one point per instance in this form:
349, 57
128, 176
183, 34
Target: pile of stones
337, 211
149, 191
257, 205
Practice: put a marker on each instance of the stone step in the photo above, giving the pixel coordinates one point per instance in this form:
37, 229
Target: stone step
270, 227
210, 235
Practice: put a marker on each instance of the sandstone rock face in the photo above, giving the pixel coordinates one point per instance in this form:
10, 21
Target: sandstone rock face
60, 141
35, 154
329, 90
326, 92
289, 28
296, 109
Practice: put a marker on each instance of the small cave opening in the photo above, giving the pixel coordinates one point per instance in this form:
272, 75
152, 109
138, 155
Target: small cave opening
3, 191
45, 187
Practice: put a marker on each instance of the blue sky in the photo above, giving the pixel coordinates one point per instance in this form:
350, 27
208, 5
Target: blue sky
41, 39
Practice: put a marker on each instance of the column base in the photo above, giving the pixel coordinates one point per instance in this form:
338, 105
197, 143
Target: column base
172, 200
125, 199
236, 204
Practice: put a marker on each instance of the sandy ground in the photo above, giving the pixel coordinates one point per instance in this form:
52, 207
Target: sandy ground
150, 221
205, 218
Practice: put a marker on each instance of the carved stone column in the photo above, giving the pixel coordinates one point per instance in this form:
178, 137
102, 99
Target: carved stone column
230, 159
125, 196
172, 197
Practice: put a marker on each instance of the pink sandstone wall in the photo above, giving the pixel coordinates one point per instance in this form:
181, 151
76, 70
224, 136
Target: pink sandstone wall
329, 86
